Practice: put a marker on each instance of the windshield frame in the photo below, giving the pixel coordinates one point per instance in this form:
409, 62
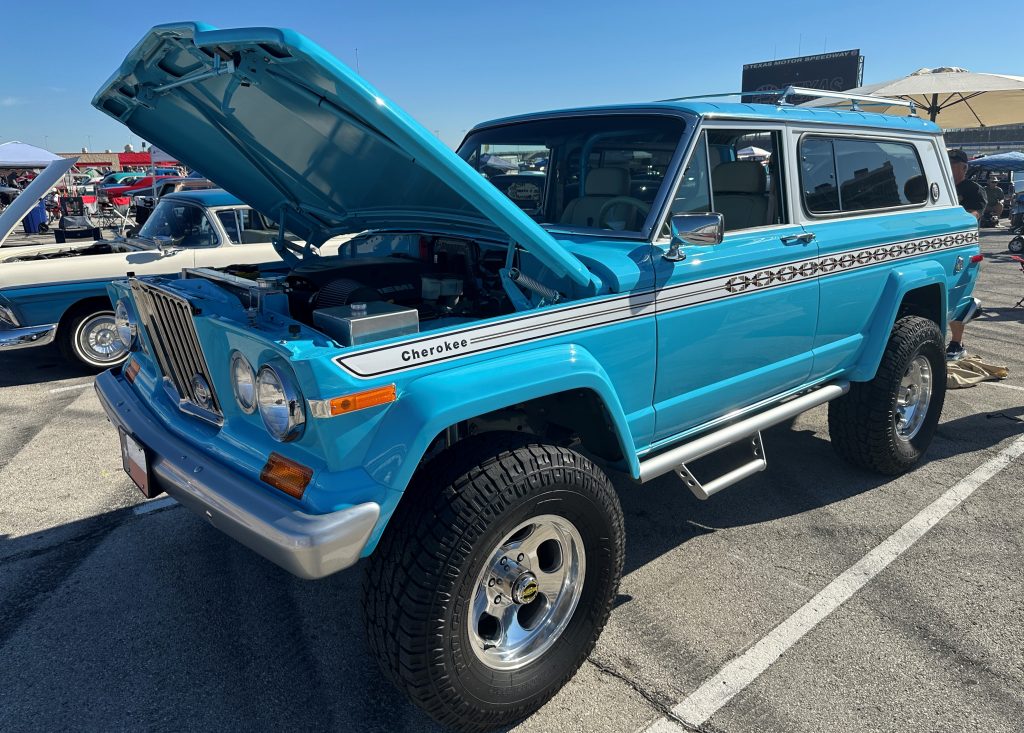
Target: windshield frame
214, 222
663, 197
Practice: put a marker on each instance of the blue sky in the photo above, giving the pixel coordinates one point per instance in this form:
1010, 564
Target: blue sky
453, 64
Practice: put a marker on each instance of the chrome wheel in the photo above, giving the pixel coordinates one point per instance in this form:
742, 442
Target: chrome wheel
913, 397
526, 593
97, 342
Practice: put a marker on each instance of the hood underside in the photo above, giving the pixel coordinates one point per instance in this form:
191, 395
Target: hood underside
277, 121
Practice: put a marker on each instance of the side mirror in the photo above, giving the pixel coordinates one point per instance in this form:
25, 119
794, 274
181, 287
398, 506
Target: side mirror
703, 229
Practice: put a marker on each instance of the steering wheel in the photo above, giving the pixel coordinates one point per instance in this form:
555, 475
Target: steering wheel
635, 204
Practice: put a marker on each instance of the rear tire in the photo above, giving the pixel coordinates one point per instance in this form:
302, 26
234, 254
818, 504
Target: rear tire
887, 424
87, 336
1016, 245
468, 518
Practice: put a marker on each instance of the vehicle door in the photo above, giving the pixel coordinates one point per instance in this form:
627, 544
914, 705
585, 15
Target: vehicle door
866, 199
736, 320
244, 235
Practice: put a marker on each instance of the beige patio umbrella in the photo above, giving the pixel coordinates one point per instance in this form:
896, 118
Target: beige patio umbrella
950, 96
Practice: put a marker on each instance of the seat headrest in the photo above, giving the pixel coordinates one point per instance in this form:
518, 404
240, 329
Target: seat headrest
607, 182
740, 176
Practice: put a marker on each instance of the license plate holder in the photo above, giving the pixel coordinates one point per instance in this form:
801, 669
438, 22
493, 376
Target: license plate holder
135, 460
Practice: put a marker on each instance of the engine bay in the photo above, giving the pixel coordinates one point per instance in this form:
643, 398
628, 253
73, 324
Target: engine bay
389, 286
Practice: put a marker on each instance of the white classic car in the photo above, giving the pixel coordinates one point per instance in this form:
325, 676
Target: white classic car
58, 291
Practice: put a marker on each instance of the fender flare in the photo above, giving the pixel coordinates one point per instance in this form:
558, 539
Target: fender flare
428, 405
900, 282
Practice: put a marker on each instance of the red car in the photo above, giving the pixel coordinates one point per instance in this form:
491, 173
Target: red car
112, 192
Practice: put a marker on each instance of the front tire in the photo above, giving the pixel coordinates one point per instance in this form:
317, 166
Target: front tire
1016, 245
494, 579
887, 424
88, 337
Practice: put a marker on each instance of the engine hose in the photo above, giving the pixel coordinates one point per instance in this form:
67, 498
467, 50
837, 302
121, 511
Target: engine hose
525, 281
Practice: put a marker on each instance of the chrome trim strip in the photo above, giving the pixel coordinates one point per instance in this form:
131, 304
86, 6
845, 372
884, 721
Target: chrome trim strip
26, 336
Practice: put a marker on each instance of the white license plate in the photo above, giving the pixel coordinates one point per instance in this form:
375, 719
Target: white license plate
133, 457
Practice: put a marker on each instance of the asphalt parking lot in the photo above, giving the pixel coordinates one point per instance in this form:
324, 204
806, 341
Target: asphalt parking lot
117, 615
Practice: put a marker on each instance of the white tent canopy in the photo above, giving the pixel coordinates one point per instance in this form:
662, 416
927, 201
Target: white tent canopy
950, 96
22, 155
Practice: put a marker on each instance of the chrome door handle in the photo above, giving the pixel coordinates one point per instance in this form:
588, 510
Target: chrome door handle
805, 238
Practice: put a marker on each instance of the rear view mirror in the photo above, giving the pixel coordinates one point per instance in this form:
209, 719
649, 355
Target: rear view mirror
702, 229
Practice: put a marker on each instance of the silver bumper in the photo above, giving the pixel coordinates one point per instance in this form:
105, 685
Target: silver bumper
307, 545
25, 336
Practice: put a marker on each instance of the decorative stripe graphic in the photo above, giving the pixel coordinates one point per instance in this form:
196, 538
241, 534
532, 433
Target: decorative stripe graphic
430, 349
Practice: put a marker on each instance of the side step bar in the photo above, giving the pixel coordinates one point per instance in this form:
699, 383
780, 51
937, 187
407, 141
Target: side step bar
675, 459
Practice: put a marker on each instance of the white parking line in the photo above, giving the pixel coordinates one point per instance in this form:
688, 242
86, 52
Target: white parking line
711, 696
55, 390
153, 505
1005, 386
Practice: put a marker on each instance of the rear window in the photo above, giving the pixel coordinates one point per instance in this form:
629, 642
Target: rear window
846, 175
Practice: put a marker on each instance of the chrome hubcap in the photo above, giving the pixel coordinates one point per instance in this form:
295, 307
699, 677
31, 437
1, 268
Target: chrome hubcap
913, 397
526, 593
98, 341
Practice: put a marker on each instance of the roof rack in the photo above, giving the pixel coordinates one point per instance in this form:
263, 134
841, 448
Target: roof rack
782, 94
854, 99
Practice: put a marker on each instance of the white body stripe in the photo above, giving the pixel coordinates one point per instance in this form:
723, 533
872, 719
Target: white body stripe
429, 349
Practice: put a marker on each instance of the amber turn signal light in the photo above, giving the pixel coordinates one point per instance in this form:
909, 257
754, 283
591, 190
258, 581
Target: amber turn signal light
131, 370
285, 474
362, 400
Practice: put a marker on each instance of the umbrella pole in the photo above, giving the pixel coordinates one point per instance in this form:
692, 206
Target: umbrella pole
933, 112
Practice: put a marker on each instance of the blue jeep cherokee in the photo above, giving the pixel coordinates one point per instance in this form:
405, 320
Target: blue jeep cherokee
641, 284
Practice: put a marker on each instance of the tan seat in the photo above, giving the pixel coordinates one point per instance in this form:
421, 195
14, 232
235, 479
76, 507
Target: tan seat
602, 185
741, 194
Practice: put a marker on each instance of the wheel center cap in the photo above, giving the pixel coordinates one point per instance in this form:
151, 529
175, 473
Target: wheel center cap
524, 589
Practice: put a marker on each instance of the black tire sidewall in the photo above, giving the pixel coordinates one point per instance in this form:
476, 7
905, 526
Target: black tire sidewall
471, 676
1016, 245
70, 343
924, 343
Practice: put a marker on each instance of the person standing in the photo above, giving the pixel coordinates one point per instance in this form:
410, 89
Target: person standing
972, 197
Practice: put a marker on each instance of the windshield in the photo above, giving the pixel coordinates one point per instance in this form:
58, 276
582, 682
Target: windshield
620, 160
185, 224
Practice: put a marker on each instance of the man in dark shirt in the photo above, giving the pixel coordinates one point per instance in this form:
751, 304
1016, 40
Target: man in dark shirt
972, 197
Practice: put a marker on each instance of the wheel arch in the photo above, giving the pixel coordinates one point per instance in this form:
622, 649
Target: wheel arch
564, 376
919, 289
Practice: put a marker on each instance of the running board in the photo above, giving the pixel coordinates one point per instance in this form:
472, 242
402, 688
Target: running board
675, 459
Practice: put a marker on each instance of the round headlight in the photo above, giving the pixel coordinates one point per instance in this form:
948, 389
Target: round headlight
125, 324
280, 404
243, 382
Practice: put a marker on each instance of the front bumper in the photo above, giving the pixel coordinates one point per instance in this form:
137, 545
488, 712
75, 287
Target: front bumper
307, 545
25, 336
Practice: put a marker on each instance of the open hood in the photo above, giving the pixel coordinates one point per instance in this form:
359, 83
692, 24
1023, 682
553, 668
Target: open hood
29, 198
287, 128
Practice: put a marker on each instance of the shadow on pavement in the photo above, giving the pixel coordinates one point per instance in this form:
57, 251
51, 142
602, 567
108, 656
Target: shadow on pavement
162, 623
36, 365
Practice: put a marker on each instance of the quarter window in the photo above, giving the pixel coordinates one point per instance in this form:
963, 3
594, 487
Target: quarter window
850, 175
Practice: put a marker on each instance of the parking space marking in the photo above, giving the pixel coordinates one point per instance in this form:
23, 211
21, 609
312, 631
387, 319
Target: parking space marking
1005, 386
153, 505
717, 691
55, 390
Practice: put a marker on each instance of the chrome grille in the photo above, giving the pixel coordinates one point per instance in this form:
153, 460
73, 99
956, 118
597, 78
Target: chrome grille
167, 319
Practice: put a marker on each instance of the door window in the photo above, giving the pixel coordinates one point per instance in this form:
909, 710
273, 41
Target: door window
738, 174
